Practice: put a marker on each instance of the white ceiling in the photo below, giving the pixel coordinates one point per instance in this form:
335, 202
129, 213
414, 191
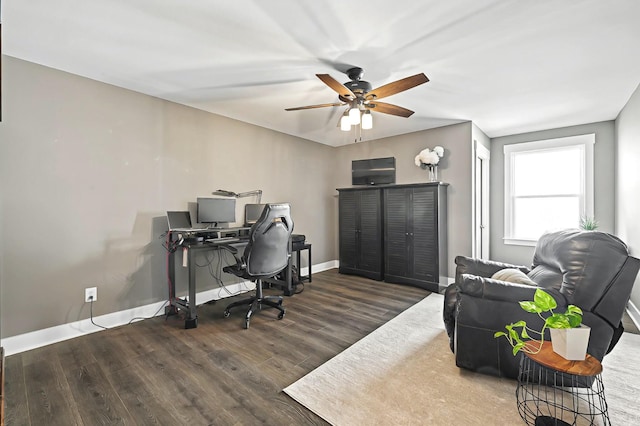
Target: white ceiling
510, 66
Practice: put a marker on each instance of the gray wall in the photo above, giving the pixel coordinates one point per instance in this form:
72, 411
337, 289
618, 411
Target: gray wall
87, 172
603, 176
628, 180
479, 136
454, 169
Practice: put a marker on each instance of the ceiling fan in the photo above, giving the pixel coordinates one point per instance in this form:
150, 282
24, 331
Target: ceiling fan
359, 96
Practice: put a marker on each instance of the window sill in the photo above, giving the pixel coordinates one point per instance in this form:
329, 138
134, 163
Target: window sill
517, 242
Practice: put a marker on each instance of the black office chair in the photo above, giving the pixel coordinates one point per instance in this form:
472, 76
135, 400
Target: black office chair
265, 255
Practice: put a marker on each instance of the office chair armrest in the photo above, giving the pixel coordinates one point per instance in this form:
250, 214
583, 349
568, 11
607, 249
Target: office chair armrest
231, 249
235, 248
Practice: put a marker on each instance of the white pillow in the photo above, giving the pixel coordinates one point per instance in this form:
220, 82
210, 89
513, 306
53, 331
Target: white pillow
513, 276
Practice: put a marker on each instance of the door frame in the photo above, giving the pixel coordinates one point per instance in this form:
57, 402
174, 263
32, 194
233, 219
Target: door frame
481, 231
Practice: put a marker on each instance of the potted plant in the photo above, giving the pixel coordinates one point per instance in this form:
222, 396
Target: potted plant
588, 223
569, 337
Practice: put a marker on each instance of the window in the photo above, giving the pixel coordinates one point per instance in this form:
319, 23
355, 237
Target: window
548, 186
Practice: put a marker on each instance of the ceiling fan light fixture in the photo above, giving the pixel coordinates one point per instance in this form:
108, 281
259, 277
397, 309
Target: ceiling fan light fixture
345, 123
367, 120
354, 116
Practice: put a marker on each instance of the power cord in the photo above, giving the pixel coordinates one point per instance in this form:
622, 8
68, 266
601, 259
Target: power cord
130, 321
171, 246
152, 316
91, 314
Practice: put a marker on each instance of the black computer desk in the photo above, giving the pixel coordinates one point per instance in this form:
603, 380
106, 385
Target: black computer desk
297, 249
191, 249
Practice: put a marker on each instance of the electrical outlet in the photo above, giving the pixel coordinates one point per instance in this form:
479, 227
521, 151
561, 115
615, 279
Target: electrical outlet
91, 294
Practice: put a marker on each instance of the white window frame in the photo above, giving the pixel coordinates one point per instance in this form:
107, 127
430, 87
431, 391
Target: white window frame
587, 141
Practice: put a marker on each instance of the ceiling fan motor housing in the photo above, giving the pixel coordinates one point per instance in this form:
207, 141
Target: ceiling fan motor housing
359, 86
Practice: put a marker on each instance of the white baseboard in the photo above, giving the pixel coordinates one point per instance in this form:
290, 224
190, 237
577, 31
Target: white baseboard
634, 313
35, 339
47, 336
332, 264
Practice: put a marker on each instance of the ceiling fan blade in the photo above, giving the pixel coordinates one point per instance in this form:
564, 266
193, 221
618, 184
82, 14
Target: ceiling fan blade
314, 106
388, 109
337, 87
397, 86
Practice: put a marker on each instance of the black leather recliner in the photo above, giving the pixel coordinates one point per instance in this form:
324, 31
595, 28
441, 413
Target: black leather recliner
589, 269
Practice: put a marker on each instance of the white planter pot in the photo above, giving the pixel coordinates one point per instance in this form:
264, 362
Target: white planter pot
571, 343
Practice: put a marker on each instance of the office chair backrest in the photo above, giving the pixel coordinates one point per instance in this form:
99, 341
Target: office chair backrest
269, 247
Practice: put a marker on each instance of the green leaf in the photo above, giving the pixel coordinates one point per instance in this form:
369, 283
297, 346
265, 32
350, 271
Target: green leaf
517, 347
499, 334
514, 334
557, 321
544, 300
574, 319
530, 307
573, 309
524, 334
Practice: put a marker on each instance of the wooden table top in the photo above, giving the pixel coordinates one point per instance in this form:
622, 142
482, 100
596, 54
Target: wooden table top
548, 358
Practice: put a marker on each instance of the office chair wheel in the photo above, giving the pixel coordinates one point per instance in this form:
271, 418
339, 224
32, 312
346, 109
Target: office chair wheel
281, 315
226, 313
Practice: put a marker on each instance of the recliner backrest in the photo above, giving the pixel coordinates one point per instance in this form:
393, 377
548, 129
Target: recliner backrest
582, 265
269, 247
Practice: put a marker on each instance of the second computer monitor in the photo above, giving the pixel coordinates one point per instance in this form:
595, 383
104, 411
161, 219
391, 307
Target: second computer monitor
252, 213
216, 210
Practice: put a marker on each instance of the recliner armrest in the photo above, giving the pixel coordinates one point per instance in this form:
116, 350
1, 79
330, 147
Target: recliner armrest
487, 288
482, 268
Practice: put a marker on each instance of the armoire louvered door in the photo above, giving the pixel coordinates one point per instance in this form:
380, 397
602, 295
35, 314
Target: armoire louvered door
360, 232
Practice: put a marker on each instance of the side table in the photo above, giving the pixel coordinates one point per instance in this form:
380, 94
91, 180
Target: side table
297, 248
555, 391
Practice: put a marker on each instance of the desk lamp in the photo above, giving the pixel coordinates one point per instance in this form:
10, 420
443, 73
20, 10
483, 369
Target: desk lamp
225, 193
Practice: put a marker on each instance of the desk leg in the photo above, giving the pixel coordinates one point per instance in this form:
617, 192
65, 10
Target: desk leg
288, 278
299, 265
171, 271
192, 319
309, 265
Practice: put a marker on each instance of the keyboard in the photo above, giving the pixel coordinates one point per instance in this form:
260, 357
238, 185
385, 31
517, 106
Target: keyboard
222, 240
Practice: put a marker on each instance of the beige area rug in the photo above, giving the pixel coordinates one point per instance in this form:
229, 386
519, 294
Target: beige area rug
404, 374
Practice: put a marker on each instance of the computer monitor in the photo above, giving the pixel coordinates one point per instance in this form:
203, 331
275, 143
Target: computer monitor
252, 213
179, 220
216, 210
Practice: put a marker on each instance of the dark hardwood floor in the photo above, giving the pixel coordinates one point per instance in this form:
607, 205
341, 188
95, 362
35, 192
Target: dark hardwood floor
156, 372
